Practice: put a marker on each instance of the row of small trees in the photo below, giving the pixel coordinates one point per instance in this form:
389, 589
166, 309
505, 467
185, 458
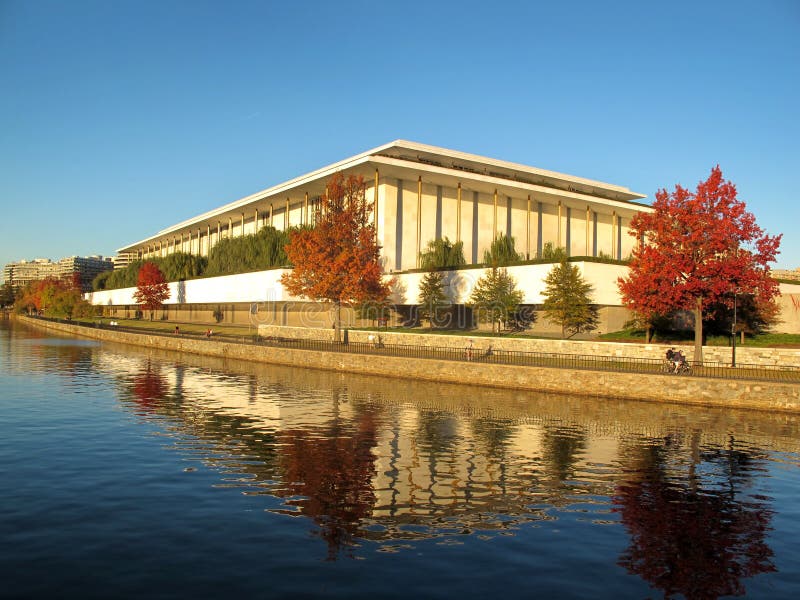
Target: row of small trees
255, 252
445, 254
495, 299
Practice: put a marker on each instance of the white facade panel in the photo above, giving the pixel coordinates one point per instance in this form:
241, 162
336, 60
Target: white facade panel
261, 286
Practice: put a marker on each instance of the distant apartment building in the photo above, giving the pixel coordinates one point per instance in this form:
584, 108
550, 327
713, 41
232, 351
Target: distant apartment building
123, 259
19, 274
787, 274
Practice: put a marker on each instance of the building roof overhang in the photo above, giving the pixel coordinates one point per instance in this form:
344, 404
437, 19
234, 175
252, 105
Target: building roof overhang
437, 165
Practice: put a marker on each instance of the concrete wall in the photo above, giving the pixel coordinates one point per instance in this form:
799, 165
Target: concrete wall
265, 287
261, 286
789, 302
744, 355
684, 390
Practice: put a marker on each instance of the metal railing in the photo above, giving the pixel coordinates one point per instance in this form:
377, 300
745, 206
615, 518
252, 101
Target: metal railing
719, 370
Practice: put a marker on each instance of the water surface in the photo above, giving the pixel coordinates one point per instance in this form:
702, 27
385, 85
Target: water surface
131, 473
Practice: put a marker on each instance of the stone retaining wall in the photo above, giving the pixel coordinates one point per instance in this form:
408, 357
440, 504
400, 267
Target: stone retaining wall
744, 355
772, 396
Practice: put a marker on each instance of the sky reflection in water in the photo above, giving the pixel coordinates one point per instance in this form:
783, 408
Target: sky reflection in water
554, 491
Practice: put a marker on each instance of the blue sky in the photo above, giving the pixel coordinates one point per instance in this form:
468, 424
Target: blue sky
118, 119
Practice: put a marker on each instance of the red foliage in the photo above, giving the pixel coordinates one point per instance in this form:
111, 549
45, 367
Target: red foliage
328, 475
338, 260
151, 288
689, 540
697, 248
75, 281
149, 386
56, 297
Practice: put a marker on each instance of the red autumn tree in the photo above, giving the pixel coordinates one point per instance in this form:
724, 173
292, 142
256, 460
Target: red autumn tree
151, 288
696, 249
338, 260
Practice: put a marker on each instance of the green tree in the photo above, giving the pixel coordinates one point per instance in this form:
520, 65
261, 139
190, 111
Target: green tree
495, 298
753, 315
7, 295
567, 300
124, 278
376, 311
100, 282
552, 252
254, 252
181, 265
441, 254
432, 298
502, 252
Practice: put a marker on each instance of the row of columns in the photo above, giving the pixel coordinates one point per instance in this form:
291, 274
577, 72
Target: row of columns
615, 221
306, 219
176, 246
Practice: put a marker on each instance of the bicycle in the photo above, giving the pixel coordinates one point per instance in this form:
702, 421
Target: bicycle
683, 368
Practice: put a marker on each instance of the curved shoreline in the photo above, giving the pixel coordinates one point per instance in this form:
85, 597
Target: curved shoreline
720, 393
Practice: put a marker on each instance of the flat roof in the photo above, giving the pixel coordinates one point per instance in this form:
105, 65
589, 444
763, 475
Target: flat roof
403, 154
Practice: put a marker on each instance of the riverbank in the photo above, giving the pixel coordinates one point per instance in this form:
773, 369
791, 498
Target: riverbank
724, 393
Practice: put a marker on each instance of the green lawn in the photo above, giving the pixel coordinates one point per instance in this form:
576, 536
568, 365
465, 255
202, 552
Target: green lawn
764, 340
169, 326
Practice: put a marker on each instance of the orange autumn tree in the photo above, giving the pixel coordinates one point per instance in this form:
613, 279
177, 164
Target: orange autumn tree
54, 298
338, 259
696, 250
151, 288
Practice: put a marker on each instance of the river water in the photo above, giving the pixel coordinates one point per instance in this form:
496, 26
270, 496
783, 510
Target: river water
134, 473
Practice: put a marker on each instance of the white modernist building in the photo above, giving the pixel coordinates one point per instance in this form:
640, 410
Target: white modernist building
421, 193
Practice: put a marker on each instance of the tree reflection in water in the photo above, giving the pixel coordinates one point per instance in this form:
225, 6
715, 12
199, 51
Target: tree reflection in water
691, 537
331, 469
149, 387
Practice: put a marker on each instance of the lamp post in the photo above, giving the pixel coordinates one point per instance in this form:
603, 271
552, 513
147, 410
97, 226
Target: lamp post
733, 332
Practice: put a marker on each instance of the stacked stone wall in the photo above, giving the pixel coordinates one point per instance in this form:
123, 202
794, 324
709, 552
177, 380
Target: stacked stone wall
744, 355
771, 396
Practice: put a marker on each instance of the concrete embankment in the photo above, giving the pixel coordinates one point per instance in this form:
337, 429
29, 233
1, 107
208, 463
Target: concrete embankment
758, 395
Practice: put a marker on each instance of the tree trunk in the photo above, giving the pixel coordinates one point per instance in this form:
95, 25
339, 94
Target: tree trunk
647, 335
337, 321
698, 331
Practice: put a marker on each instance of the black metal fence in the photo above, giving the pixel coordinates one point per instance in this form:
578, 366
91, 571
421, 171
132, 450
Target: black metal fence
789, 374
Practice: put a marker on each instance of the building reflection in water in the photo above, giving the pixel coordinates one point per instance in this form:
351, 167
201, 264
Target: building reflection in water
389, 462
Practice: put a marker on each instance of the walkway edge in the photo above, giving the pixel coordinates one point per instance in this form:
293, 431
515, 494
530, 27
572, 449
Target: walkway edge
720, 393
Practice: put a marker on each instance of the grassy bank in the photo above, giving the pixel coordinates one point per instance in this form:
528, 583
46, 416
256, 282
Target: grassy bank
763, 340
766, 340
